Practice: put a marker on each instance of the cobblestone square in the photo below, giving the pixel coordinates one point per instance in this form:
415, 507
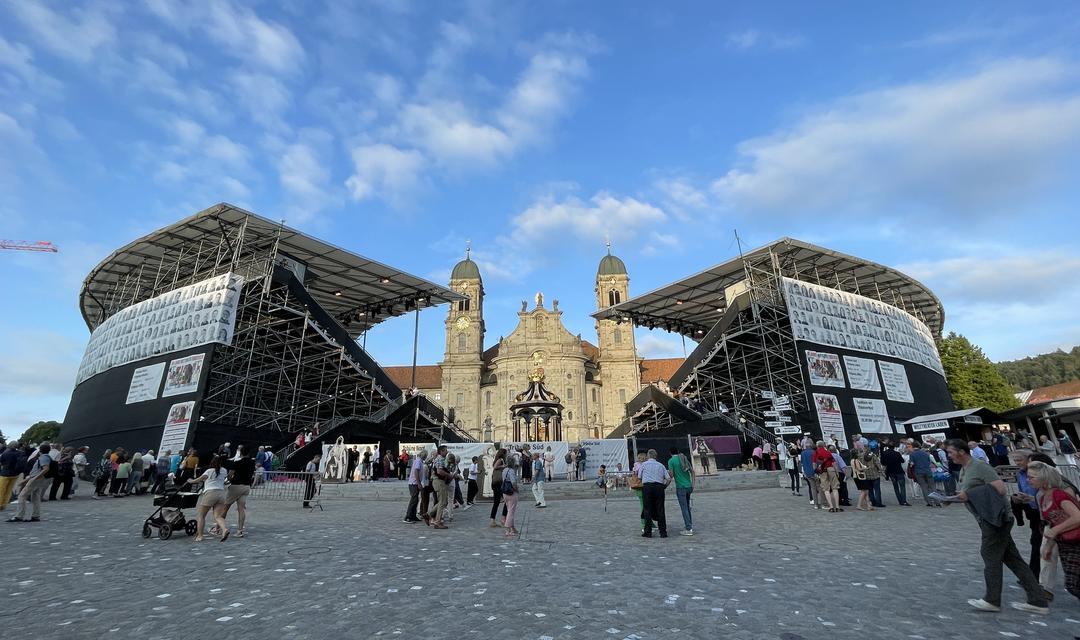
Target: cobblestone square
762, 564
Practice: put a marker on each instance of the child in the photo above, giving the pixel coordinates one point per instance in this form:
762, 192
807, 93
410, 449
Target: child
601, 478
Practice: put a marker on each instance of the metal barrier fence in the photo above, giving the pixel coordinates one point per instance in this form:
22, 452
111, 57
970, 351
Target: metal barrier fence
288, 486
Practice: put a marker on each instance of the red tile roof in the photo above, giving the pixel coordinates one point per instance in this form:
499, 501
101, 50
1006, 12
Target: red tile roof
428, 376
1069, 389
659, 369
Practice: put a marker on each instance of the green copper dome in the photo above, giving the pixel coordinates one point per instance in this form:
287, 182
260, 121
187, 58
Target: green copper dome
465, 270
611, 266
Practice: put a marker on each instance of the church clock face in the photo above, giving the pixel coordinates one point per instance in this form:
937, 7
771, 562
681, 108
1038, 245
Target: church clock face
463, 323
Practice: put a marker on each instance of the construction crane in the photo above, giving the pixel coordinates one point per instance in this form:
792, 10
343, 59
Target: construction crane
22, 245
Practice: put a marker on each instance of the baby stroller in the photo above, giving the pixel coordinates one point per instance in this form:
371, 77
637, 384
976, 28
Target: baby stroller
169, 515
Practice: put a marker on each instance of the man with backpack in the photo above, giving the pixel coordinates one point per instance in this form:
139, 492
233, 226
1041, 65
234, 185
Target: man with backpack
581, 455
39, 476
571, 465
440, 481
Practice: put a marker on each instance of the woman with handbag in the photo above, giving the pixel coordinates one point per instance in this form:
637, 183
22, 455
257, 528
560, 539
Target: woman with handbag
862, 483
636, 487
510, 493
496, 485
1061, 517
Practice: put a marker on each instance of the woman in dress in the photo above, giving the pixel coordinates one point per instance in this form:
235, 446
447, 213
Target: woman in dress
638, 491
496, 485
388, 465
858, 472
1061, 521
212, 498
510, 475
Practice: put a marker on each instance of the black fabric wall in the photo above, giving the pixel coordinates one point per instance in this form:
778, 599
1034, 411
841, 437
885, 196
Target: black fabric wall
97, 416
928, 389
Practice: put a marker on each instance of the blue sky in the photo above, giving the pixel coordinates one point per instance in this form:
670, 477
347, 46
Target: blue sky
936, 138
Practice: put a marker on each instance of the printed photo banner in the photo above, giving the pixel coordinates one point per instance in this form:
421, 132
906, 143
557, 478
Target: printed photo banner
830, 419
177, 425
846, 320
895, 380
183, 376
862, 374
824, 369
187, 317
873, 416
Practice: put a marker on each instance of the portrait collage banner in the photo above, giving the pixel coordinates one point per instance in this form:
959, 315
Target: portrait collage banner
850, 321
187, 317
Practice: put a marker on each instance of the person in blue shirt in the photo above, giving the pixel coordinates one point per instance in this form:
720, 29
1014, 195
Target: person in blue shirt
1024, 501
923, 471
806, 461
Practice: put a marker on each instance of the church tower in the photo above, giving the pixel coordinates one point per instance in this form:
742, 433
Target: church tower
462, 362
619, 374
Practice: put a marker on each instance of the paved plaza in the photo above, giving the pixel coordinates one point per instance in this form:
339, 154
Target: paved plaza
761, 565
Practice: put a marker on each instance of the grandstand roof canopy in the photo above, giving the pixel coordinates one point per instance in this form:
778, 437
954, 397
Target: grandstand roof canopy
343, 283
691, 306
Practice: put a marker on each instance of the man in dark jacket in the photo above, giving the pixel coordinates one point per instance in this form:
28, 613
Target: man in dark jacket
894, 471
10, 470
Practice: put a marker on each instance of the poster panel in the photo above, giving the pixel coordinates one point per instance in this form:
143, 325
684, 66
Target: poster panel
183, 375
611, 452
829, 417
894, 379
931, 438
824, 369
177, 425
850, 321
558, 450
873, 416
145, 382
718, 452
930, 425
183, 318
862, 374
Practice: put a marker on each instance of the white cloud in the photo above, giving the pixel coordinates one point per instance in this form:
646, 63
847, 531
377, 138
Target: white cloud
306, 180
966, 144
651, 345
384, 170
238, 30
602, 217
55, 358
997, 279
265, 97
20, 60
449, 136
76, 34
754, 39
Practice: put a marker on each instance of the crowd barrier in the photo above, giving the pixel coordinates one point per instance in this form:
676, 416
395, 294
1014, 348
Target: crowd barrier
288, 486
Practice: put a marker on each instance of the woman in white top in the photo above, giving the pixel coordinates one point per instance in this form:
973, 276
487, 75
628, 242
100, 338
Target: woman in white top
213, 497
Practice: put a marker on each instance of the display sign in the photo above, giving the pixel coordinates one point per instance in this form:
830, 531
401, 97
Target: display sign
824, 315
930, 425
145, 382
611, 452
872, 414
862, 374
187, 317
829, 417
768, 395
177, 425
183, 376
771, 414
895, 380
773, 423
824, 369
973, 419
931, 438
788, 430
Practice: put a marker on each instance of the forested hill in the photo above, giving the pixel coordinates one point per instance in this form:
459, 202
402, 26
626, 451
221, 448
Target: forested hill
1042, 370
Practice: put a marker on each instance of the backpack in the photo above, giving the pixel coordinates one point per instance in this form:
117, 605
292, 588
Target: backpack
53, 470
569, 458
507, 487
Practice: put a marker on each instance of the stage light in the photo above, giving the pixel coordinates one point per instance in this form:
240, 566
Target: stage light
678, 302
386, 280
337, 293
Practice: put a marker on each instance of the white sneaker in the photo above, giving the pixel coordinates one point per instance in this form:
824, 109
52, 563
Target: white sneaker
686, 532
983, 605
1030, 608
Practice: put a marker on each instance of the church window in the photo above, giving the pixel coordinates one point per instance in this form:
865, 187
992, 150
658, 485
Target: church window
487, 399
622, 396
438, 395
460, 399
463, 305
618, 336
462, 342
596, 433
569, 415
613, 298
594, 394
569, 393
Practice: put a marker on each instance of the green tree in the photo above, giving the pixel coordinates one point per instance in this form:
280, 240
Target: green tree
41, 431
972, 379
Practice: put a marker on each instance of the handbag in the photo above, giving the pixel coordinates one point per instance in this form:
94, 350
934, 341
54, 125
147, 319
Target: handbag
507, 488
635, 482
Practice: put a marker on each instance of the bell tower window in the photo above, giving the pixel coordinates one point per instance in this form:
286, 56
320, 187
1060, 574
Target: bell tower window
613, 298
618, 336
462, 342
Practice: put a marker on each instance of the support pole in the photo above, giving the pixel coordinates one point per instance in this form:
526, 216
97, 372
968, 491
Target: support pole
415, 342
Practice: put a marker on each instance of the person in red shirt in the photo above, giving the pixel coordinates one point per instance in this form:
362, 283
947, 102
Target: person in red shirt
829, 480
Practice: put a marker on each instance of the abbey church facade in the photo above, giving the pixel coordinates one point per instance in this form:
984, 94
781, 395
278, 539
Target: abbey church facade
593, 382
